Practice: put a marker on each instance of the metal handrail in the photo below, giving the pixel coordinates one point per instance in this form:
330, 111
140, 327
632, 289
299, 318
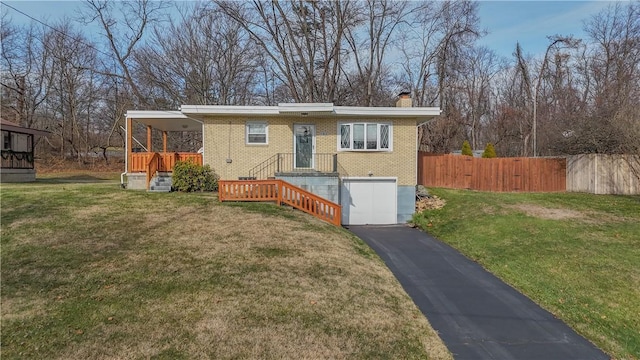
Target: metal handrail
286, 163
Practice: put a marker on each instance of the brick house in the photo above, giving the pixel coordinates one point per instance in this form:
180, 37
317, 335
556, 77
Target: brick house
363, 158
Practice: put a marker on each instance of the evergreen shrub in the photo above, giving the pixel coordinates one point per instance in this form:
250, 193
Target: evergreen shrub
188, 177
466, 149
489, 152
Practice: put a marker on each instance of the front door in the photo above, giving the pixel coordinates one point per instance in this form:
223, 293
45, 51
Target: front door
304, 146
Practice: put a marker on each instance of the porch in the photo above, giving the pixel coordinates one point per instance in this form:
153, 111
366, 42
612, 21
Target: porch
314, 172
17, 152
149, 169
295, 164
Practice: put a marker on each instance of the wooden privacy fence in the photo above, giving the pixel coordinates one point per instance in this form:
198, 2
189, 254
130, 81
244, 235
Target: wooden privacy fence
497, 174
604, 174
282, 193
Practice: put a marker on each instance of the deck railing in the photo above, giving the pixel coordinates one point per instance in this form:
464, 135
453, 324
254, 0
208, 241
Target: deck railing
152, 162
167, 160
280, 192
152, 168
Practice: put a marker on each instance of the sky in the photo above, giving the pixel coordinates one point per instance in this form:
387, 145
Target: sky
530, 22
507, 22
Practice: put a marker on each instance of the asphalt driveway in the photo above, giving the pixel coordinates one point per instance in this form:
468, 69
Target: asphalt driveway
477, 315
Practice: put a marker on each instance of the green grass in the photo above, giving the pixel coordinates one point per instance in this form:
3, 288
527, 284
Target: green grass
578, 255
93, 271
76, 177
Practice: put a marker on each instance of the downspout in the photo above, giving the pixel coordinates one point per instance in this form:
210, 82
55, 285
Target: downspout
416, 174
126, 156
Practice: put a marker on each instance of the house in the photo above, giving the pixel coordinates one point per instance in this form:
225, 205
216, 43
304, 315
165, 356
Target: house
18, 152
363, 158
146, 168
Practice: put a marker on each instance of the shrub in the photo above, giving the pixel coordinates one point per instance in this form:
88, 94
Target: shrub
466, 149
188, 177
489, 152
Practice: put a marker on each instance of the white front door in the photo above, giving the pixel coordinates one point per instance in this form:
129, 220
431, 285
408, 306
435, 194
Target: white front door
304, 146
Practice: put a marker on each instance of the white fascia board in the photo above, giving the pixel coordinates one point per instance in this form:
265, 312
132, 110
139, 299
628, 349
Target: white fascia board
305, 107
311, 108
155, 114
387, 111
228, 110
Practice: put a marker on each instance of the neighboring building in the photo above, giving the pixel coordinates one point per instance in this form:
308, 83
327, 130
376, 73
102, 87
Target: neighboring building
18, 152
476, 153
363, 158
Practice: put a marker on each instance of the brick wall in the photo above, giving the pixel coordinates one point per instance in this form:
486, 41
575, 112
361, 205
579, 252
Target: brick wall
225, 138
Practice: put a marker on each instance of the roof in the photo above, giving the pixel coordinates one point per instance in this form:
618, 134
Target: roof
165, 120
11, 126
312, 109
187, 119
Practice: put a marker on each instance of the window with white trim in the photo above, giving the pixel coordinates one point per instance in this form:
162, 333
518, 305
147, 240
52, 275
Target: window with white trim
256, 133
365, 136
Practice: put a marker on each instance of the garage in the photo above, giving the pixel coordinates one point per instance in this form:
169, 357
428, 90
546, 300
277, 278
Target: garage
369, 201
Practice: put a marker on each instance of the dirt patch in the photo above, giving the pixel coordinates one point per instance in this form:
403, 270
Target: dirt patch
548, 213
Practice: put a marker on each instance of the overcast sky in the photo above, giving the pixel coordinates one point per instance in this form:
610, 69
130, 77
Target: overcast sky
529, 22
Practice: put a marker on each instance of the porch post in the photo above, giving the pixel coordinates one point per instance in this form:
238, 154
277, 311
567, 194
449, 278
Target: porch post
164, 141
149, 148
31, 139
129, 142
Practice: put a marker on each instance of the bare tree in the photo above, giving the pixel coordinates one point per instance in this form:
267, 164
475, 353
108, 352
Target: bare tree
444, 32
609, 73
74, 90
302, 40
380, 20
24, 88
124, 24
203, 58
475, 82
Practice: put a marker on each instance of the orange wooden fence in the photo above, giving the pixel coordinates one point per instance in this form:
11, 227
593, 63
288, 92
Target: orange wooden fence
152, 162
140, 161
282, 193
498, 174
152, 168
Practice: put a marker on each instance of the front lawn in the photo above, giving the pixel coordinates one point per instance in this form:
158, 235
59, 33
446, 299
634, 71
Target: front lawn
578, 255
92, 271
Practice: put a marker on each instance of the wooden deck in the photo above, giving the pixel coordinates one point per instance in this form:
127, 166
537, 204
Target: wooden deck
281, 192
152, 162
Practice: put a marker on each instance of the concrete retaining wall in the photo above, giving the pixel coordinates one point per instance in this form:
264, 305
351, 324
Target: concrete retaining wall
323, 185
406, 203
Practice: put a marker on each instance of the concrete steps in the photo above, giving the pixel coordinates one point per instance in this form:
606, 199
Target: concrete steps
160, 183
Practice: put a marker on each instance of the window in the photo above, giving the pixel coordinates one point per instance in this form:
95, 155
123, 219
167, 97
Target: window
364, 136
6, 140
257, 132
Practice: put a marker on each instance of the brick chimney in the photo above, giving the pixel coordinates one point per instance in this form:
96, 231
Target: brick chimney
404, 99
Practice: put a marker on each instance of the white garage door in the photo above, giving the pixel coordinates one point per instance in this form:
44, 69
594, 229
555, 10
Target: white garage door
368, 201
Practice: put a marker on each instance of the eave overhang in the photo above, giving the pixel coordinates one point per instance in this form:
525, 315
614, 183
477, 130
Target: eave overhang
13, 127
313, 110
165, 120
